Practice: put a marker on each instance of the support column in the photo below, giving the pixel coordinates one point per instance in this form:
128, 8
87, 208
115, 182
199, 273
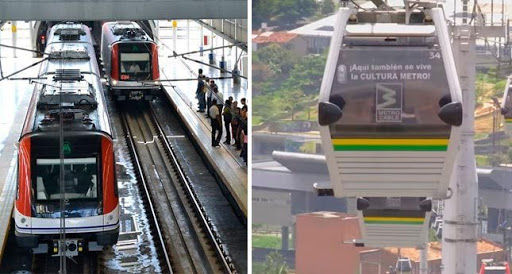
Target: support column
201, 39
211, 57
222, 63
14, 31
423, 255
174, 35
188, 35
460, 218
284, 238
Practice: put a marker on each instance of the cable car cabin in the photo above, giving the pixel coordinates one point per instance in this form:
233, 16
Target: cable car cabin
393, 221
69, 101
390, 109
494, 268
130, 59
506, 106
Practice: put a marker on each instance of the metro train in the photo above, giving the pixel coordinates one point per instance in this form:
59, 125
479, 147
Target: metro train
506, 106
69, 100
130, 59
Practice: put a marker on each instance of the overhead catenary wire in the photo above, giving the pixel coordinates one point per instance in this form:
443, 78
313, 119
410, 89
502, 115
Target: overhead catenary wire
23, 69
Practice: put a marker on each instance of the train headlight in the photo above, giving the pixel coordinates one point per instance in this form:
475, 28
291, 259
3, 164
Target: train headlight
110, 217
114, 82
23, 220
156, 83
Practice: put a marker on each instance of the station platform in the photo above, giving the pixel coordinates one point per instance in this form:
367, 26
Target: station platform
13, 109
225, 159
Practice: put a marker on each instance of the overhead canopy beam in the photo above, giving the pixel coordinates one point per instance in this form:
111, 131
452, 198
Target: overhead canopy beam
241, 44
92, 10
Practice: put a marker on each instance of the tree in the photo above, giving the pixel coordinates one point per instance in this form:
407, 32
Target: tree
289, 12
278, 59
327, 7
262, 11
274, 264
307, 75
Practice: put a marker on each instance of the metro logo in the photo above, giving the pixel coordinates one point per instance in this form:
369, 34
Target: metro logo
389, 102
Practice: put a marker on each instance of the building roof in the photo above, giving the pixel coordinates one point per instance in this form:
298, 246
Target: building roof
272, 37
435, 251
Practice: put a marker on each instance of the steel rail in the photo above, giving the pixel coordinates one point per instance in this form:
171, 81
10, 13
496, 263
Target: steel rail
200, 210
139, 170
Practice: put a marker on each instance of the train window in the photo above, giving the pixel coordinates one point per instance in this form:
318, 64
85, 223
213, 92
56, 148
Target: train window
80, 178
388, 90
135, 66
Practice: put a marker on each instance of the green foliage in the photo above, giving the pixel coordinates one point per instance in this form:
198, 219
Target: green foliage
499, 88
482, 160
291, 84
282, 12
497, 159
307, 75
274, 264
432, 237
327, 7
509, 155
277, 58
266, 241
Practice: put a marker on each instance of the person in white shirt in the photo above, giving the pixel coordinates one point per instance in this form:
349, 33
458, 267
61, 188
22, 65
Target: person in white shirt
215, 118
219, 97
209, 95
134, 68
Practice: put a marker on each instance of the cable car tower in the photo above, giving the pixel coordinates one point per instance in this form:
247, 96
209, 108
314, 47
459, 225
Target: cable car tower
390, 111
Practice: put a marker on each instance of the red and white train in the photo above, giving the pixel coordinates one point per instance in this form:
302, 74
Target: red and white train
70, 101
130, 59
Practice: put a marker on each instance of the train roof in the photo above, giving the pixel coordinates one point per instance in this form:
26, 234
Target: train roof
125, 30
69, 85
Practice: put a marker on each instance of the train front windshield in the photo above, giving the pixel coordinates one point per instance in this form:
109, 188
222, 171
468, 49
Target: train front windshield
135, 62
390, 92
82, 191
80, 179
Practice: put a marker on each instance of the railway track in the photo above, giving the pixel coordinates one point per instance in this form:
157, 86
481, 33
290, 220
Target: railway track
188, 236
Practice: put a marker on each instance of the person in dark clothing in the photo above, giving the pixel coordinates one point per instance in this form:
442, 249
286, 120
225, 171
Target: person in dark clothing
244, 104
226, 113
235, 122
215, 122
243, 134
200, 92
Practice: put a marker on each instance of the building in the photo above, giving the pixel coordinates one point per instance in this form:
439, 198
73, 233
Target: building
288, 40
323, 245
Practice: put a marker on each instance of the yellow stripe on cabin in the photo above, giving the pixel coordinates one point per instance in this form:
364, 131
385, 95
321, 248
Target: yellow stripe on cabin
399, 219
418, 142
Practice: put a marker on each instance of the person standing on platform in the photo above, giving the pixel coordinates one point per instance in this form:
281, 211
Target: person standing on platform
209, 95
199, 91
244, 104
243, 134
219, 96
215, 118
227, 121
235, 121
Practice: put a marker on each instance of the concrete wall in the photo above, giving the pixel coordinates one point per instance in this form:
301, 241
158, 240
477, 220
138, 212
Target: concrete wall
319, 243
